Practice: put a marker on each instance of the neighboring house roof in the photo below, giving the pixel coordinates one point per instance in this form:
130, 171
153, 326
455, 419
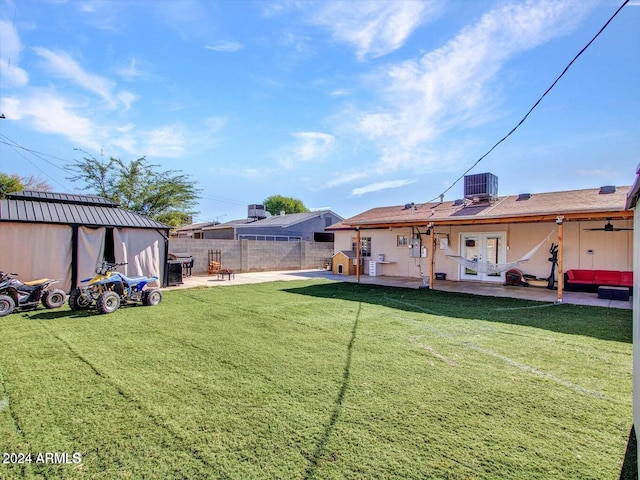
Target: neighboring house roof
585, 204
62, 208
282, 221
196, 226
225, 225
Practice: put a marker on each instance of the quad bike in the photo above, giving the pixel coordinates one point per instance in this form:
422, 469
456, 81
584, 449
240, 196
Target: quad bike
27, 295
109, 289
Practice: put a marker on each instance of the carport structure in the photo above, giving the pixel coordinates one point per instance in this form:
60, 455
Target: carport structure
64, 236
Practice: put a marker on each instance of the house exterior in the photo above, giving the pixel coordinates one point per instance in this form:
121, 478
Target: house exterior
308, 226
632, 204
65, 236
420, 240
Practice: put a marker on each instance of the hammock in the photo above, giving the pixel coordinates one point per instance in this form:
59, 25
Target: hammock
492, 268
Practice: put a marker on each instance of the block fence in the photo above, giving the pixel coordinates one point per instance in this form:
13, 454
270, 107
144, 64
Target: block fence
254, 255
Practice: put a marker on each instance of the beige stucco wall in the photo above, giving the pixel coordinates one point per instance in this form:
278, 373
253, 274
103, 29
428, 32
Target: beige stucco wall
611, 250
636, 328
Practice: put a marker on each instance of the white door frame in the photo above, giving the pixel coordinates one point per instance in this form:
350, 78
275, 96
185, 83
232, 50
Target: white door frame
486, 244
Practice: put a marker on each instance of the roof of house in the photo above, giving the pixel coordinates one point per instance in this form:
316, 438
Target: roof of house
593, 203
68, 209
276, 221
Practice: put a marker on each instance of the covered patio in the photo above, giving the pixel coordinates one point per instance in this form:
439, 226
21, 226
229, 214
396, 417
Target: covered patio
474, 288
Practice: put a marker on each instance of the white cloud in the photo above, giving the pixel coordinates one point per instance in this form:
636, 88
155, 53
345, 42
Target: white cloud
225, 47
346, 178
310, 146
167, 141
64, 66
374, 28
454, 85
130, 71
50, 113
376, 187
10, 48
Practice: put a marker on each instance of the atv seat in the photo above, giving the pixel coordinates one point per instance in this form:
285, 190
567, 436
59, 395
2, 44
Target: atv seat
137, 279
35, 283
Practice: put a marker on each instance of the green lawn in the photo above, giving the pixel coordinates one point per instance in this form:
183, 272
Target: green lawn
316, 379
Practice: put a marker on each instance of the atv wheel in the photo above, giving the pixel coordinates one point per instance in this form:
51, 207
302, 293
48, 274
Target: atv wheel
77, 301
54, 298
152, 297
108, 302
6, 305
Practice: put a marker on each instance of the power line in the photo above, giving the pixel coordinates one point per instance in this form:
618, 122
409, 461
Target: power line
17, 147
535, 104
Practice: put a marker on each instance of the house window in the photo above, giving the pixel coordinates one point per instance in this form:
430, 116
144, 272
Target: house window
402, 241
365, 246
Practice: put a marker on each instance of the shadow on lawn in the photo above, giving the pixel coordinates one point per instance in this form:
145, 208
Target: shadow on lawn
320, 454
56, 314
596, 322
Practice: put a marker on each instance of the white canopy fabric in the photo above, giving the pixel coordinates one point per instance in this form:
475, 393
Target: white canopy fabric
141, 249
90, 251
35, 251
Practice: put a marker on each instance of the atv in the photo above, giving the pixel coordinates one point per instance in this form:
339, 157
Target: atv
109, 289
28, 295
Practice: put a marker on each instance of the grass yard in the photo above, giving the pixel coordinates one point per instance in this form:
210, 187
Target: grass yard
317, 380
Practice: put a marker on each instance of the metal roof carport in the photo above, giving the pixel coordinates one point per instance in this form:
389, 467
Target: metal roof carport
64, 236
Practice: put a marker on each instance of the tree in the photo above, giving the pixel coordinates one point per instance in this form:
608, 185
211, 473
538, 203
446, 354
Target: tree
168, 197
278, 203
10, 183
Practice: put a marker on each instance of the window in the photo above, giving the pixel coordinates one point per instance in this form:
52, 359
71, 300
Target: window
365, 246
402, 241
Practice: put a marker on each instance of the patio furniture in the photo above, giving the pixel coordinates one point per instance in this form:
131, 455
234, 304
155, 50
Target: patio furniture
613, 293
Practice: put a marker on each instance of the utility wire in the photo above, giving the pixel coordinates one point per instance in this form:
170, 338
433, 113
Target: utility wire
17, 147
535, 104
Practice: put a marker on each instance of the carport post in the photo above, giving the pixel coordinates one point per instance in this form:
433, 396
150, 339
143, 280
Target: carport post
74, 256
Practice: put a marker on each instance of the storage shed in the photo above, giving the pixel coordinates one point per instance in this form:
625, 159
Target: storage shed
64, 236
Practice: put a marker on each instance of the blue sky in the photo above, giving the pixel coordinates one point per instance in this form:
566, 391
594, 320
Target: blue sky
344, 105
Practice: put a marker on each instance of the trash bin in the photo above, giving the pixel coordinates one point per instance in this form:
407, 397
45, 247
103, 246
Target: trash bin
174, 273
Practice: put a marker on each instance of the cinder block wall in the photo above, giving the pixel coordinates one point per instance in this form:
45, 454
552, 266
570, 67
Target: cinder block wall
253, 255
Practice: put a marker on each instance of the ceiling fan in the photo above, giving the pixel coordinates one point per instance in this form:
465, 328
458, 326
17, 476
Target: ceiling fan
608, 227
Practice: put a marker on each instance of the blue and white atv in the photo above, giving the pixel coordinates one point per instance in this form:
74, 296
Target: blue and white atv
109, 289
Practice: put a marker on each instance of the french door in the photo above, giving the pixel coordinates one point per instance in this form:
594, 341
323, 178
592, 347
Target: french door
483, 247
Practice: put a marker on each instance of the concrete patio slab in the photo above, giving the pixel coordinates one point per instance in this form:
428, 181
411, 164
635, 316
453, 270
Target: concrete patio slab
539, 294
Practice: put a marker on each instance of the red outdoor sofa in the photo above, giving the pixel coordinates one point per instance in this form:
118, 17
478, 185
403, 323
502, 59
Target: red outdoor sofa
590, 280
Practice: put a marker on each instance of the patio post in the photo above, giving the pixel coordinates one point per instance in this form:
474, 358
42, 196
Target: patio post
358, 248
559, 221
433, 254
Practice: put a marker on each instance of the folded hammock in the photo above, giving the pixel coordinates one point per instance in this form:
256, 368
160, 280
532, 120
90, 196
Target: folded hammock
490, 268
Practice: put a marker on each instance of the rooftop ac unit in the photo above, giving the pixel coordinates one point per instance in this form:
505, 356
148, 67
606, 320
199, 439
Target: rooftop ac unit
481, 186
256, 211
